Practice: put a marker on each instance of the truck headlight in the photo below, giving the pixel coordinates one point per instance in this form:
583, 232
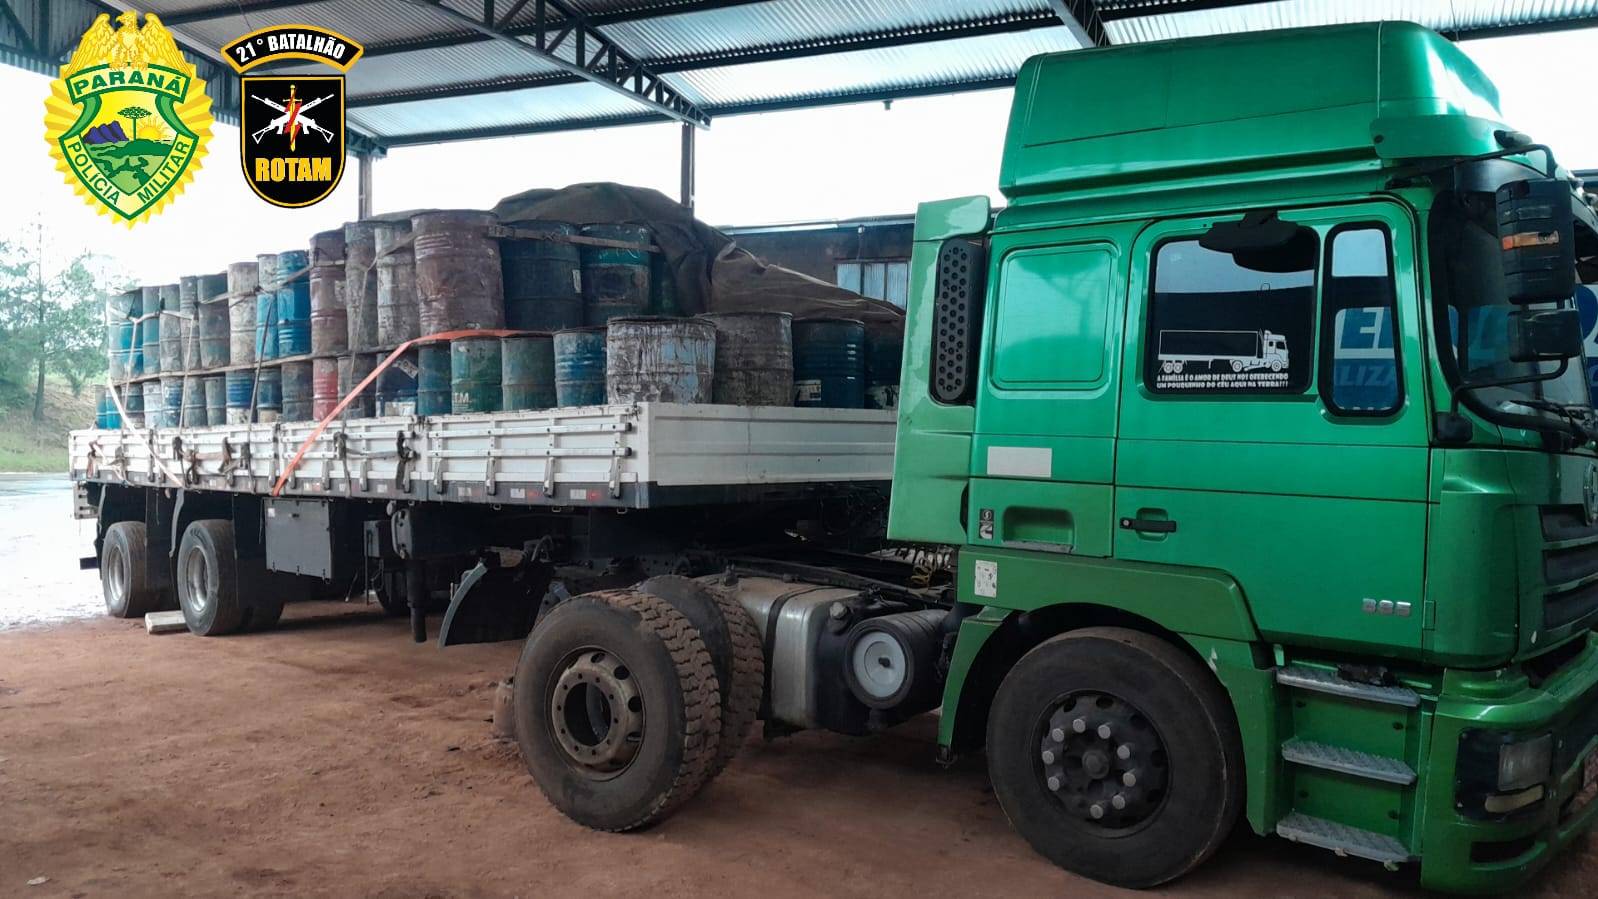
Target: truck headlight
1525, 763
1502, 773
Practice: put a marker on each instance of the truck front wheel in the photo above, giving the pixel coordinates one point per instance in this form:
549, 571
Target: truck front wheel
617, 709
1116, 756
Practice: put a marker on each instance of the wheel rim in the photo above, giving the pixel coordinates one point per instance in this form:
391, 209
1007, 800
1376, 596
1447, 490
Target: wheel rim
196, 577
1102, 761
596, 712
116, 574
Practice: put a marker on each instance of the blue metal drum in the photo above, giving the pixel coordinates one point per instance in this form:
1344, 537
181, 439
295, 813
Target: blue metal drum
269, 394
829, 363
580, 367
240, 396
294, 305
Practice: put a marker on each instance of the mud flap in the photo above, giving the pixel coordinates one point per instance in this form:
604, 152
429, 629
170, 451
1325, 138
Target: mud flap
494, 603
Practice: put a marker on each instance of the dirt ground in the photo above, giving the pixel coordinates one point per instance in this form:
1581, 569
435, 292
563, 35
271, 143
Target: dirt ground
332, 757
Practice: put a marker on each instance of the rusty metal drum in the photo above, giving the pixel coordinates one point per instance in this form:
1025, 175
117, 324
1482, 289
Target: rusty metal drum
459, 284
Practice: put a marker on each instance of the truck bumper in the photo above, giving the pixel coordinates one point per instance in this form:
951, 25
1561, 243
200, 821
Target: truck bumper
1462, 853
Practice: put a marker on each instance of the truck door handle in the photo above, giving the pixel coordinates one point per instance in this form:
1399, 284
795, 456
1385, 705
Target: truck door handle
1149, 525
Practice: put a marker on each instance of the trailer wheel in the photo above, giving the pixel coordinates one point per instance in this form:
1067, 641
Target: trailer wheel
1115, 756
734, 643
263, 616
207, 585
123, 575
617, 709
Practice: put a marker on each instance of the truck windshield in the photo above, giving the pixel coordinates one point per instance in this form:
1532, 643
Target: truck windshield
1472, 312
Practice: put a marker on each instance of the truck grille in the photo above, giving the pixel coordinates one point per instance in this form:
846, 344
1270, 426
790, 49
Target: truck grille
1570, 565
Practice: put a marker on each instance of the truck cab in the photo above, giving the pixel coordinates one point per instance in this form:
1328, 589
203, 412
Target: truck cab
1263, 403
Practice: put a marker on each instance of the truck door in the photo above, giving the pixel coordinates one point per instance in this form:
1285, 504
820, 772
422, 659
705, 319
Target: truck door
1277, 432
1044, 450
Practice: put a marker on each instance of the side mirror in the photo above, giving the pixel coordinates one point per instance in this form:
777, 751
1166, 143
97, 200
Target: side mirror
958, 299
1537, 231
1261, 241
1547, 335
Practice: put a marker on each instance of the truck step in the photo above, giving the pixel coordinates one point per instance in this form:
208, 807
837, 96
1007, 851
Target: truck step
1342, 839
1328, 682
1347, 761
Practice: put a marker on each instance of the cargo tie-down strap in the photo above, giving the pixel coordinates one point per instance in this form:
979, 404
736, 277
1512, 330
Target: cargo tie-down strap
299, 454
144, 433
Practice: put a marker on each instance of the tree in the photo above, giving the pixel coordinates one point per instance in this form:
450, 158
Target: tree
16, 321
133, 114
48, 323
72, 340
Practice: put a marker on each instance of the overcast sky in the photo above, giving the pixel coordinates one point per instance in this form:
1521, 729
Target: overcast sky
813, 164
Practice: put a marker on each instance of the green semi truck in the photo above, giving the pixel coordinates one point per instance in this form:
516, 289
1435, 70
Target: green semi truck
1244, 473
1354, 611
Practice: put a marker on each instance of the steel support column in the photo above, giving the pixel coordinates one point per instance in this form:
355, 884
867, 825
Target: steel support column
1082, 19
363, 177
688, 166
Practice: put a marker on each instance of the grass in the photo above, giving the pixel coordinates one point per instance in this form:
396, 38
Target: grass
41, 446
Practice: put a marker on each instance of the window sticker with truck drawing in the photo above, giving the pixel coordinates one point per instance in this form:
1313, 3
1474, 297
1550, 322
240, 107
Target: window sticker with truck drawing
1232, 322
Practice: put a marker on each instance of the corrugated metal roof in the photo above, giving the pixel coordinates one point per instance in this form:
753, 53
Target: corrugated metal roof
430, 75
796, 21
1467, 17
969, 60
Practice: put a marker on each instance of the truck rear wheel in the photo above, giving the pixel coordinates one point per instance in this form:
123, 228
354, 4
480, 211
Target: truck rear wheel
263, 616
734, 643
207, 586
617, 709
123, 575
1116, 756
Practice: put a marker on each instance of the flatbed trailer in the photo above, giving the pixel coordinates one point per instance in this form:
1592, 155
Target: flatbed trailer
625, 456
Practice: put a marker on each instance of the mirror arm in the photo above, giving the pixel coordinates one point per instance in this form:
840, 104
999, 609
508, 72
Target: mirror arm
1460, 388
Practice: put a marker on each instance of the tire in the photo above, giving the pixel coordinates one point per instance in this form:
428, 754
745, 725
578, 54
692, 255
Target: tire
1184, 756
263, 616
637, 660
206, 579
124, 553
735, 651
394, 602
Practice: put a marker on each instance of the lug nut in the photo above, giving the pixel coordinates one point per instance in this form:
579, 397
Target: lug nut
1096, 810
1080, 725
1118, 801
1048, 756
1104, 731
1054, 785
1129, 779
1123, 751
1057, 735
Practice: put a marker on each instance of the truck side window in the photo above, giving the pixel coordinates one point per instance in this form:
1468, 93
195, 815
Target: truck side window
1220, 323
1359, 358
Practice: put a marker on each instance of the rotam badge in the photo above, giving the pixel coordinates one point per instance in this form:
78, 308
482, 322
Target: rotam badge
291, 134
